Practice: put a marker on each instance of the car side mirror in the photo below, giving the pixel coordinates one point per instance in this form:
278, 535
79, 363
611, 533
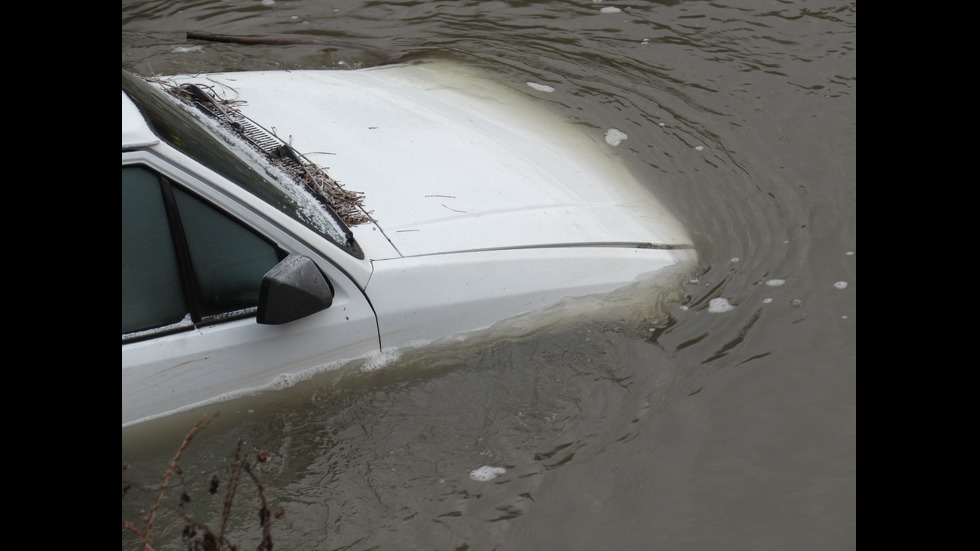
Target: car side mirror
293, 289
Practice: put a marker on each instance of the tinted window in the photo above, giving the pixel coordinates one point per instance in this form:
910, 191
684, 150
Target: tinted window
184, 260
152, 295
228, 260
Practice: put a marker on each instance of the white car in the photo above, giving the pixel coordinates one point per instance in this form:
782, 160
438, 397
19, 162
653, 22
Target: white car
248, 259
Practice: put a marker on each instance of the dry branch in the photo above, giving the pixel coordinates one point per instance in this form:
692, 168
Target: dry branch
207, 540
378, 53
345, 203
171, 469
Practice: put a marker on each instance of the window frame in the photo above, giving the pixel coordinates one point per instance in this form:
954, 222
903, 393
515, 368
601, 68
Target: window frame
168, 177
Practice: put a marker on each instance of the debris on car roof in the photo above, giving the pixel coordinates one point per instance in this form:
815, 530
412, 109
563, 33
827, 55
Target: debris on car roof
346, 203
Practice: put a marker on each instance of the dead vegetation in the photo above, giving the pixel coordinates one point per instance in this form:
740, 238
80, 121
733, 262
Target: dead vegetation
197, 535
347, 204
384, 56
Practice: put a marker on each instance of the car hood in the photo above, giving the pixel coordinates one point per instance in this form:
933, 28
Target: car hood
450, 160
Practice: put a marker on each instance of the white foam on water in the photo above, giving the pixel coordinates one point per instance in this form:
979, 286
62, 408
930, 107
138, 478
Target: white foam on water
377, 360
718, 305
541, 87
188, 49
614, 136
388, 356
610, 9
486, 473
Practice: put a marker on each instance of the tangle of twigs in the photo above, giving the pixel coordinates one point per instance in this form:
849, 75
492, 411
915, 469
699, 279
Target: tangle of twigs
198, 535
347, 204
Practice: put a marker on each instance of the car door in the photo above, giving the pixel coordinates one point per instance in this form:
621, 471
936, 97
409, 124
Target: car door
192, 273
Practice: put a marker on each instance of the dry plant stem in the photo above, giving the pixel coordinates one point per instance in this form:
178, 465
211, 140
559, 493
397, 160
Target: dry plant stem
210, 541
129, 526
348, 205
264, 512
166, 477
383, 55
236, 473
144, 535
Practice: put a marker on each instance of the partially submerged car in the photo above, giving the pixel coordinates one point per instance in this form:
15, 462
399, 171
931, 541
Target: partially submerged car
247, 261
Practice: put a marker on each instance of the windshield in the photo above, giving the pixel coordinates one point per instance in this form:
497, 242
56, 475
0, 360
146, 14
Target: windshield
219, 150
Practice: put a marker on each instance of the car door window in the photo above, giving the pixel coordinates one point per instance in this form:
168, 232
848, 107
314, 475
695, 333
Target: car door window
228, 260
183, 259
152, 295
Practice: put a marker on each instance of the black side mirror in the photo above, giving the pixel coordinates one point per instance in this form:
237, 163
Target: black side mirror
293, 289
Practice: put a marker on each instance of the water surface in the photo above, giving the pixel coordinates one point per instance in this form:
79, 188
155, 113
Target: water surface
724, 420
